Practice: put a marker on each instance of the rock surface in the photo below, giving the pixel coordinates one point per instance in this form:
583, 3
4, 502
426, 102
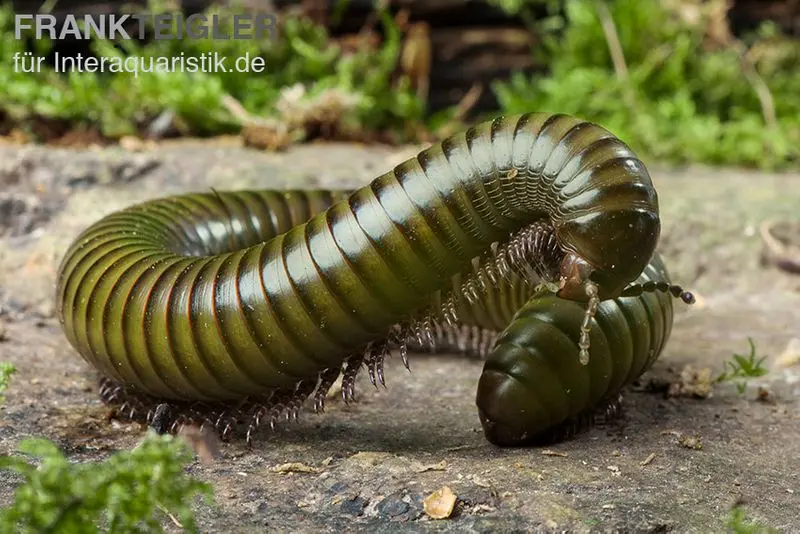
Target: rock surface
373, 463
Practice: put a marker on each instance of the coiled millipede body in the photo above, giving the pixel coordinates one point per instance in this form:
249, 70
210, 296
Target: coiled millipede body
236, 307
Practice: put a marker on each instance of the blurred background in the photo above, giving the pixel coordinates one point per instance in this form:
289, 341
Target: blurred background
707, 81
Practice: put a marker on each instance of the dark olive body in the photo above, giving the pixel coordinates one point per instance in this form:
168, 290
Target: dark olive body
532, 382
221, 296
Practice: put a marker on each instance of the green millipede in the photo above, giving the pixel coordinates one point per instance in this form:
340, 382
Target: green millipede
236, 307
533, 388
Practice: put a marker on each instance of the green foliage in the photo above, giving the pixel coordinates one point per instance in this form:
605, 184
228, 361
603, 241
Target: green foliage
131, 491
23, 93
515, 7
121, 103
738, 523
678, 102
742, 368
512, 7
6, 370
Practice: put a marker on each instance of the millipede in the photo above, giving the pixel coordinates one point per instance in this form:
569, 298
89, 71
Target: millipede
528, 240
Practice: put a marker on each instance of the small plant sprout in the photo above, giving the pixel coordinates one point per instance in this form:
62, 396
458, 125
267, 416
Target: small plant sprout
742, 368
6, 370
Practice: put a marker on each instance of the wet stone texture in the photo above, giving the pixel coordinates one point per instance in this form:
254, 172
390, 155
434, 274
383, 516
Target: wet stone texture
671, 464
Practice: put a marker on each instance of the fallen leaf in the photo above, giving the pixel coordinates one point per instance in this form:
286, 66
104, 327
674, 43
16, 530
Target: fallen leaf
440, 503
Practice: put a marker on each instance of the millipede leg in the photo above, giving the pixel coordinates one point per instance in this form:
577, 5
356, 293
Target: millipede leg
326, 380
586, 326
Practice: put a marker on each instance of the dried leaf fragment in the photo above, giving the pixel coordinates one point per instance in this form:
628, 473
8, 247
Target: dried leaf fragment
690, 442
295, 467
692, 382
440, 503
647, 460
550, 452
441, 466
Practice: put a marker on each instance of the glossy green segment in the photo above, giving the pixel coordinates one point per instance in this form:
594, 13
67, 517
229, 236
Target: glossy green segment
533, 382
223, 295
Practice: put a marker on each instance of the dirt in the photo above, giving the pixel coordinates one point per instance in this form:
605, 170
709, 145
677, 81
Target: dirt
670, 464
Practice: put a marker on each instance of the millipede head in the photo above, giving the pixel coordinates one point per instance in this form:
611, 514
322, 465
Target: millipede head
574, 275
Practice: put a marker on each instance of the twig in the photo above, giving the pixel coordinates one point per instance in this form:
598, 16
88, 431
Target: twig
468, 101
612, 39
463, 107
760, 87
415, 58
171, 517
722, 36
238, 111
372, 18
615, 48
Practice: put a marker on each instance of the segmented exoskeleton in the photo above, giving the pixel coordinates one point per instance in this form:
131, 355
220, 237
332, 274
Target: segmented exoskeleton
243, 304
533, 390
